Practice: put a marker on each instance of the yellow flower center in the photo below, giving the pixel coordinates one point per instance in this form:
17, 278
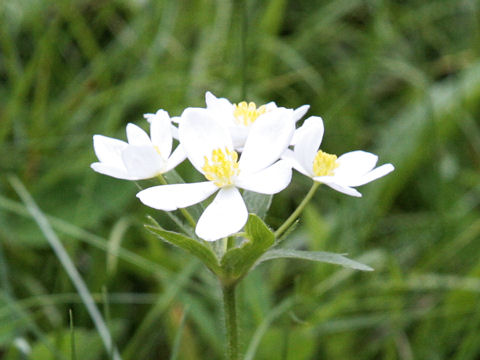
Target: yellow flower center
324, 164
222, 167
246, 113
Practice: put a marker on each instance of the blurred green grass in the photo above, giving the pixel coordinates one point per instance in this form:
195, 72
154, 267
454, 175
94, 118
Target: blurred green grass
398, 78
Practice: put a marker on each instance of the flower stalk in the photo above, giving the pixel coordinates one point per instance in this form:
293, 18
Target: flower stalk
184, 211
297, 211
229, 303
230, 313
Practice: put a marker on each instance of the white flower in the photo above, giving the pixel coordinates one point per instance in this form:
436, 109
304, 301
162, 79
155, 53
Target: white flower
240, 117
210, 149
159, 115
144, 156
343, 173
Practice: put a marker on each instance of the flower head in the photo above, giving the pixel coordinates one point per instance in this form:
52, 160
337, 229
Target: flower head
239, 118
209, 147
143, 156
349, 170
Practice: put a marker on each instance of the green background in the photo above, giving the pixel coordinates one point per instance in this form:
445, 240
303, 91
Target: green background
397, 78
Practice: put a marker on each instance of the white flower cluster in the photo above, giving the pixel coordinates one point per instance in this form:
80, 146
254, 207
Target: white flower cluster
212, 139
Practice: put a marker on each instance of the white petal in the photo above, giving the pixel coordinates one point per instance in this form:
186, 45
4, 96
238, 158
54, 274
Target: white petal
200, 134
372, 175
269, 136
226, 215
239, 135
109, 150
289, 156
298, 135
148, 116
271, 106
217, 104
177, 157
210, 99
271, 180
344, 189
174, 130
161, 133
308, 141
113, 171
137, 136
354, 165
220, 108
174, 196
143, 162
299, 112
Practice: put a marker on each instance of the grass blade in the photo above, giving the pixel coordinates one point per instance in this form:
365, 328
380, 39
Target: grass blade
73, 354
178, 336
142, 341
66, 262
89, 238
263, 327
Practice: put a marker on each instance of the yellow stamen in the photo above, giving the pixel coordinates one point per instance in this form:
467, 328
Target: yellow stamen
222, 167
246, 113
324, 164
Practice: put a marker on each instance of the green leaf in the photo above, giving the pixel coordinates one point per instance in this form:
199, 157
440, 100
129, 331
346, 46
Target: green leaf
194, 247
238, 261
257, 203
321, 256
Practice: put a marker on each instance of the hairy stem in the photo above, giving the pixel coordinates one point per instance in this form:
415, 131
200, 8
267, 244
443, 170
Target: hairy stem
230, 310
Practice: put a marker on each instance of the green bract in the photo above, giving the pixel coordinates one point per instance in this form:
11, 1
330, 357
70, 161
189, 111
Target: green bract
253, 250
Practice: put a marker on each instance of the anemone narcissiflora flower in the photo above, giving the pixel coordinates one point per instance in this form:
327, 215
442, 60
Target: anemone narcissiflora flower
349, 170
144, 156
209, 147
240, 117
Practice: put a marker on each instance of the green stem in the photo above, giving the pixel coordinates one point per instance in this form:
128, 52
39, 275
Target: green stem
230, 310
297, 211
189, 217
230, 242
184, 211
